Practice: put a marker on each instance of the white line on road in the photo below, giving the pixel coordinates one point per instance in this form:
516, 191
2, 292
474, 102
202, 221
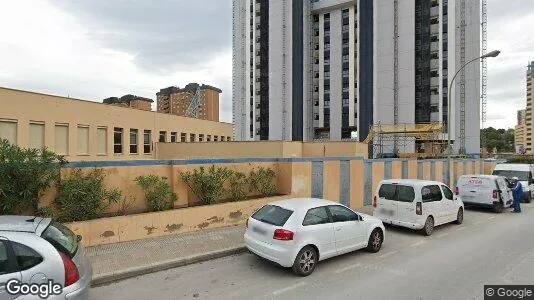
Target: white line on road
347, 268
289, 288
418, 243
388, 254
443, 235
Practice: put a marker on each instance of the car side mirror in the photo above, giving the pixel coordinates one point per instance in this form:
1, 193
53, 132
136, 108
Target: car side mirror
79, 238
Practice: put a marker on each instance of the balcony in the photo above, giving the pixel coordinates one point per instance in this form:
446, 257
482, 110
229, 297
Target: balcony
434, 11
434, 81
434, 46
434, 28
434, 64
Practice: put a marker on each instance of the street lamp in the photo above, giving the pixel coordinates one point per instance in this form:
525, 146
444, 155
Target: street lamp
493, 53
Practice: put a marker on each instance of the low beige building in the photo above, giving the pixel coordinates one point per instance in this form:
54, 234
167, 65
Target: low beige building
88, 131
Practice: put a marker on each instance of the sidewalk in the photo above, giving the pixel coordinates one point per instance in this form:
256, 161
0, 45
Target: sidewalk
119, 261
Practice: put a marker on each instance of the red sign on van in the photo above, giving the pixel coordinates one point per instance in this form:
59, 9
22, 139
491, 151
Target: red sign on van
474, 181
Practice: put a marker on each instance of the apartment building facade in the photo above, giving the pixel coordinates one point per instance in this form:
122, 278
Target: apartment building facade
529, 124
87, 131
296, 68
329, 69
176, 101
521, 132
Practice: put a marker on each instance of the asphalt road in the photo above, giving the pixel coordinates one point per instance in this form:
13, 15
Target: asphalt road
454, 263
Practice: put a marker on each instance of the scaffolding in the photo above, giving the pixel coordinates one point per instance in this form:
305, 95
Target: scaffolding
383, 136
462, 76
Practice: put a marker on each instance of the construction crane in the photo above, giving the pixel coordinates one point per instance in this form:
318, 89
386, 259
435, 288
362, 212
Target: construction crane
194, 107
484, 81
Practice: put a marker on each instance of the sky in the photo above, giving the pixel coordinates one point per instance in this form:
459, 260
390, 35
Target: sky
101, 48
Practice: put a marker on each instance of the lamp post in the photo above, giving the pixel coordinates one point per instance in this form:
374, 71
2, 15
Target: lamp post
493, 53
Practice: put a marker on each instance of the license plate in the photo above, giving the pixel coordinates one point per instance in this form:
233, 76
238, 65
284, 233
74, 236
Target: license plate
259, 230
387, 212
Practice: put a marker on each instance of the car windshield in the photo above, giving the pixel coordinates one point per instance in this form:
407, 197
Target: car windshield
272, 214
521, 175
62, 238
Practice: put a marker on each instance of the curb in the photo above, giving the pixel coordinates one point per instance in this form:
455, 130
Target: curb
107, 278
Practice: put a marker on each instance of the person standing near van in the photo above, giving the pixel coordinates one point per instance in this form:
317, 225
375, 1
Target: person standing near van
518, 194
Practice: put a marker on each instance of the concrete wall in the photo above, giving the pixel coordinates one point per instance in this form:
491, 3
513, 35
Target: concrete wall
25, 108
296, 177
261, 149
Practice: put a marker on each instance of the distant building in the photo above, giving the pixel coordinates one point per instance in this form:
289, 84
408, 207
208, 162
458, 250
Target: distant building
529, 129
176, 101
131, 101
520, 132
88, 131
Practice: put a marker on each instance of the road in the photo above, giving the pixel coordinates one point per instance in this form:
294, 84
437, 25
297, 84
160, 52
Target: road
454, 263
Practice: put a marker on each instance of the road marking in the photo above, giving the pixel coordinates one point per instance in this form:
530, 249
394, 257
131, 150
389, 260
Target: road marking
388, 254
442, 235
418, 243
289, 288
491, 218
347, 268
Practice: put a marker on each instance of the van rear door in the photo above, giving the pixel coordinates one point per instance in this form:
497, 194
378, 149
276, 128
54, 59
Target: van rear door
473, 189
387, 204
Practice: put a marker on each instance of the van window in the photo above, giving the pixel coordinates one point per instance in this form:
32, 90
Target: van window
405, 193
521, 175
431, 193
447, 192
387, 191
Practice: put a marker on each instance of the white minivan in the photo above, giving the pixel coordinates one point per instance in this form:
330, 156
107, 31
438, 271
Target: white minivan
417, 204
489, 191
523, 172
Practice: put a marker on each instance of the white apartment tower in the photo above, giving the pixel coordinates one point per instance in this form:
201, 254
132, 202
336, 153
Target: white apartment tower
329, 69
297, 69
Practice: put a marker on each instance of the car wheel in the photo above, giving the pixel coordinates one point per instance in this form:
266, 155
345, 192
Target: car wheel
375, 241
429, 226
498, 208
305, 261
460, 216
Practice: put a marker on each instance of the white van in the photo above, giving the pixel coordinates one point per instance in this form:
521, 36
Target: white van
417, 204
521, 171
489, 191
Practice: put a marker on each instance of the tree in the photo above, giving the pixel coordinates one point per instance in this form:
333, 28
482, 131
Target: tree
501, 139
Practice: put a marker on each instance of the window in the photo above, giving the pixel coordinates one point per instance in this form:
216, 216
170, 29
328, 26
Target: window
316, 216
192, 137
447, 192
431, 193
273, 215
163, 136
8, 131
342, 214
215, 138
37, 132
134, 137
83, 139
200, 137
102, 140
4, 263
147, 141
117, 140
174, 137
183, 137
26, 257
405, 193
387, 191
209, 138
62, 139
62, 238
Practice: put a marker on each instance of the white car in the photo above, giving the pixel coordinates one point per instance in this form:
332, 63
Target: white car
417, 204
300, 232
489, 191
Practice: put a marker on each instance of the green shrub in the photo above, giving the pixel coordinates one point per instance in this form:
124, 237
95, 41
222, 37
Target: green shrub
45, 212
82, 196
158, 193
238, 186
207, 185
24, 175
262, 182
124, 205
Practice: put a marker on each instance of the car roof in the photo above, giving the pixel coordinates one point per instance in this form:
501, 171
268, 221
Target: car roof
415, 182
22, 223
513, 167
302, 203
481, 176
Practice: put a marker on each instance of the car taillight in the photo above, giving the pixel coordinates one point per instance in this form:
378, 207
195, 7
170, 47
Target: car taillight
495, 194
457, 191
419, 208
283, 235
71, 271
375, 202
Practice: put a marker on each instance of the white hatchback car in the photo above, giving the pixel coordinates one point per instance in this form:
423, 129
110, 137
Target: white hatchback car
300, 232
417, 204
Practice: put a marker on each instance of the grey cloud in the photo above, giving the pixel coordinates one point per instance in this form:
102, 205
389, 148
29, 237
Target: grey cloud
164, 36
